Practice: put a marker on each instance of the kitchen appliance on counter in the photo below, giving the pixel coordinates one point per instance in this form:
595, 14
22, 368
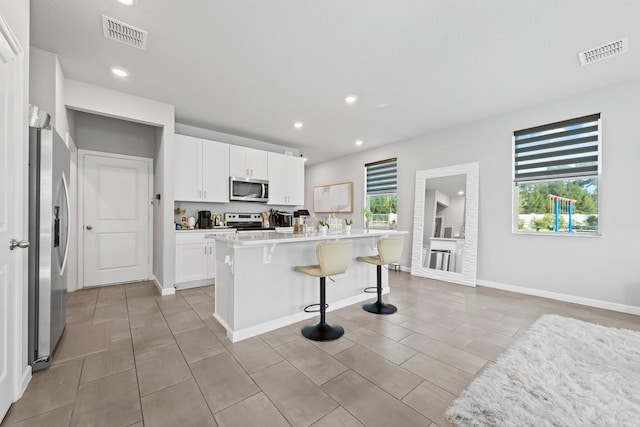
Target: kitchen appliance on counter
300, 220
248, 189
281, 218
49, 228
204, 219
245, 221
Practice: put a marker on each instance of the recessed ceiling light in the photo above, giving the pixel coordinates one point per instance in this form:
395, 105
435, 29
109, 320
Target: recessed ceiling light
460, 193
350, 99
304, 159
127, 2
359, 142
298, 125
120, 72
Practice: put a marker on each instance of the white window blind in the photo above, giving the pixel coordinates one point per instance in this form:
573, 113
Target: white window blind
558, 150
382, 177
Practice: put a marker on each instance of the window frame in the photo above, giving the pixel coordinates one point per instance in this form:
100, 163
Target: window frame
515, 184
368, 194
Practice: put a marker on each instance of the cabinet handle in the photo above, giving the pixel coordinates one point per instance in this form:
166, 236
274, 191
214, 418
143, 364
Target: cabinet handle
199, 194
210, 251
205, 250
205, 194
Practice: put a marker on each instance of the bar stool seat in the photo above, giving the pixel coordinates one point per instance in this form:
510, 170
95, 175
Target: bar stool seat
333, 258
389, 251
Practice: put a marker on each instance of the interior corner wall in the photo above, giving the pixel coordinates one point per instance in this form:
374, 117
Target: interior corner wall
586, 269
46, 81
159, 182
111, 103
42, 81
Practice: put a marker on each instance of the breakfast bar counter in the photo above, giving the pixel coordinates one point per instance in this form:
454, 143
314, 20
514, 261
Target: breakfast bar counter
257, 289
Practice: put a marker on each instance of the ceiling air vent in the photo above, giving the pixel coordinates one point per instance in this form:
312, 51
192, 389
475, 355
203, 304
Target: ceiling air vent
605, 51
124, 33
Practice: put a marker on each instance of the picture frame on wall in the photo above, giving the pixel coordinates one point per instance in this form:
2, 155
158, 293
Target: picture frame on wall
333, 198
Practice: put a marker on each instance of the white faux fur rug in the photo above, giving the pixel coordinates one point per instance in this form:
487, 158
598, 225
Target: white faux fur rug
561, 372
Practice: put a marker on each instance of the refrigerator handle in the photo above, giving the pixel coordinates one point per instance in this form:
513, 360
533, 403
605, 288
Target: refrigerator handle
66, 199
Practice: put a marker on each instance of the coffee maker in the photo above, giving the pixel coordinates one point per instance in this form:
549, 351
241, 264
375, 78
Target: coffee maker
281, 218
204, 219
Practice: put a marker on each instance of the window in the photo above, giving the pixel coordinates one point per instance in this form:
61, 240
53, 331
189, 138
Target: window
556, 170
381, 200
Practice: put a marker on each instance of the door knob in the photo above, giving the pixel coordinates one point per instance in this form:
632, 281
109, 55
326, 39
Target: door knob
13, 243
89, 227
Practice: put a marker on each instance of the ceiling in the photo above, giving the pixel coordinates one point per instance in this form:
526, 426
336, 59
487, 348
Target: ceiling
252, 68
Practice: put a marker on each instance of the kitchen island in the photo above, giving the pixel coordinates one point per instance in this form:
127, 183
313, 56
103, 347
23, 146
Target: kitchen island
257, 289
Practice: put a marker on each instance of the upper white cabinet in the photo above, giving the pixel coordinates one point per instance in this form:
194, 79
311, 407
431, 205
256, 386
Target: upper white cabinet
201, 170
286, 180
247, 162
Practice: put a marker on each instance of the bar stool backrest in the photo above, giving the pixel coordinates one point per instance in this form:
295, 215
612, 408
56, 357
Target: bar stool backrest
390, 249
333, 257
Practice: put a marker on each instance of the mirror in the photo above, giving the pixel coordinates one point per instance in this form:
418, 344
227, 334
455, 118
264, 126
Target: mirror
445, 224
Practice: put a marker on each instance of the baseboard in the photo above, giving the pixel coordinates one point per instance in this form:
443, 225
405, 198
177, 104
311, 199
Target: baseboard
163, 291
24, 382
194, 284
235, 336
562, 297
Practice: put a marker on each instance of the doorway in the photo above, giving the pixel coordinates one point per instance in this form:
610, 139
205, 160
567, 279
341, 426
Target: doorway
115, 218
437, 227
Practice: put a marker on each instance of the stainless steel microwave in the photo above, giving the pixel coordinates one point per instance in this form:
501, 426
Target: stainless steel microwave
248, 189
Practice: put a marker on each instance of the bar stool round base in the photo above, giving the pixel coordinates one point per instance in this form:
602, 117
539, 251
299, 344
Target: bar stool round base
323, 332
380, 308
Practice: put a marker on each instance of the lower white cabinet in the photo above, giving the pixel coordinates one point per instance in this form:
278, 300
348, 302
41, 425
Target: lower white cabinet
195, 259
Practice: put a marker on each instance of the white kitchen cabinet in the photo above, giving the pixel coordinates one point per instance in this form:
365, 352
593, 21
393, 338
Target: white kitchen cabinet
187, 168
195, 259
286, 180
192, 262
201, 170
247, 162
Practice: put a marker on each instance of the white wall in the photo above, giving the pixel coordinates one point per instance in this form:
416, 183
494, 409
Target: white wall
599, 270
46, 81
94, 99
454, 214
109, 135
42, 81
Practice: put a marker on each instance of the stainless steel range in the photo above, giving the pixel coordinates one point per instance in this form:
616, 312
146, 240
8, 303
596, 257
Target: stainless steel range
246, 221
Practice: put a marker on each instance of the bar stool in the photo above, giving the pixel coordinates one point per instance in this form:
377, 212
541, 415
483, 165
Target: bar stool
333, 258
389, 251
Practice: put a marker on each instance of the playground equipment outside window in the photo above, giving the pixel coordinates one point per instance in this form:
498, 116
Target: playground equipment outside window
556, 170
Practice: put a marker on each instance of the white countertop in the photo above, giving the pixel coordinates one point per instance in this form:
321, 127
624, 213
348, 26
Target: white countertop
446, 239
274, 237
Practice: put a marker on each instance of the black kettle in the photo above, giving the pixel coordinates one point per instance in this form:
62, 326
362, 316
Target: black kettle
204, 219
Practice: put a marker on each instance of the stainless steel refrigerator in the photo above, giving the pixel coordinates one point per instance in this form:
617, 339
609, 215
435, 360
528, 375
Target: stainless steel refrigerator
49, 236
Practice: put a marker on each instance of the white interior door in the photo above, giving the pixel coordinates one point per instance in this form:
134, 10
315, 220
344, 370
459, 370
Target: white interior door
116, 218
12, 279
